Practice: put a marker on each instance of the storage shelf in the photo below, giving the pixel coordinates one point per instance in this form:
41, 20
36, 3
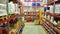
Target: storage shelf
52, 26
51, 3
7, 20
47, 28
54, 15
17, 27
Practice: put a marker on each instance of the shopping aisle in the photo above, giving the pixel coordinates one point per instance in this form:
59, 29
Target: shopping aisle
31, 28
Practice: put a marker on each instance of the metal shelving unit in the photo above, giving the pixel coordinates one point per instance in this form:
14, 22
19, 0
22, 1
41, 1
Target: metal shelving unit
6, 19
54, 16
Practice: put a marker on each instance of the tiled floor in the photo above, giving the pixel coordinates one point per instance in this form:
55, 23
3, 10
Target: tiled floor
31, 28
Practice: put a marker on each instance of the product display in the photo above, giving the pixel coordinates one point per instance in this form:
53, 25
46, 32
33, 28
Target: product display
51, 17
51, 9
30, 16
57, 8
9, 16
3, 7
11, 8
3, 1
16, 9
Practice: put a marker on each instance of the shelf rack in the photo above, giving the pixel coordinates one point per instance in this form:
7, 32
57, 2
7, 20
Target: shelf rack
7, 18
53, 27
47, 24
54, 15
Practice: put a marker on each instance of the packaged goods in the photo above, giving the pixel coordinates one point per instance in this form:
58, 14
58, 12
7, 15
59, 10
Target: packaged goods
3, 30
45, 9
11, 8
44, 1
37, 9
52, 18
51, 9
3, 12
36, 21
16, 9
55, 23
57, 8
49, 17
3, 1
48, 9
3, 6
58, 22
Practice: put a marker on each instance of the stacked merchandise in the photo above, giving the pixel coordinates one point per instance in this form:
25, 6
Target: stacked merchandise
10, 20
16, 24
30, 15
3, 7
3, 16
13, 8
51, 19
31, 10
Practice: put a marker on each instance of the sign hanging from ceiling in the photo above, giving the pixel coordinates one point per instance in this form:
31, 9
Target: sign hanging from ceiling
35, 4
32, 0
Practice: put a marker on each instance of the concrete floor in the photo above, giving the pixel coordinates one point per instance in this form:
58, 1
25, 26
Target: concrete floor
31, 28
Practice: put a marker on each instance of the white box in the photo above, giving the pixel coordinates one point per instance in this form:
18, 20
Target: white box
11, 8
3, 6
57, 8
3, 12
51, 9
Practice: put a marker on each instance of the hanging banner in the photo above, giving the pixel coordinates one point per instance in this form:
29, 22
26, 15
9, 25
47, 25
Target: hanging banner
36, 4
